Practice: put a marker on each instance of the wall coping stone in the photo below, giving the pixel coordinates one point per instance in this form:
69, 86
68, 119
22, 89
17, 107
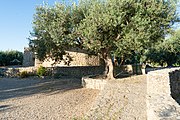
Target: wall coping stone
88, 82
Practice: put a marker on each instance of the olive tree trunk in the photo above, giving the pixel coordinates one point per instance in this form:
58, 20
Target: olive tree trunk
109, 68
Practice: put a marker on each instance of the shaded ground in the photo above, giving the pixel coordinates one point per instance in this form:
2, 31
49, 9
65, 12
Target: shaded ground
13, 87
35, 99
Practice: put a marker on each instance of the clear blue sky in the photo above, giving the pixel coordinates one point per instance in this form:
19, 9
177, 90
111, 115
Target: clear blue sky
16, 22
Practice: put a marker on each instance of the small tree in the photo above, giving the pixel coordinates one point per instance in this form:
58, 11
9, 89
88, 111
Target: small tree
51, 34
53, 30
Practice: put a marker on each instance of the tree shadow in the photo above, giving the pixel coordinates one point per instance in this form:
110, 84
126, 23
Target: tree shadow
14, 87
4, 107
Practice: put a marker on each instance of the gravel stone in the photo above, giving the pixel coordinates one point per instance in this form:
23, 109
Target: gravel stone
122, 99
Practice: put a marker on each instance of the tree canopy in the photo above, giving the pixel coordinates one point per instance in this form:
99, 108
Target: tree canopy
104, 27
167, 52
11, 58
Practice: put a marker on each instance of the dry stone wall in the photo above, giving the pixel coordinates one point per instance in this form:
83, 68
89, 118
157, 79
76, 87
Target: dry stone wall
68, 71
175, 84
77, 71
83, 71
74, 58
93, 83
13, 71
161, 86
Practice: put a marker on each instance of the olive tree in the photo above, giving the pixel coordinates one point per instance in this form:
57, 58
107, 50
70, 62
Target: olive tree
103, 27
124, 27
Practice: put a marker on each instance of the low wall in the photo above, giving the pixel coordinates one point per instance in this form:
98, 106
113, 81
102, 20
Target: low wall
13, 71
74, 71
175, 84
161, 86
78, 71
88, 82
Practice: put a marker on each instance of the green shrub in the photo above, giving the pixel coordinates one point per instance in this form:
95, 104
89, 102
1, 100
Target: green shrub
23, 74
42, 71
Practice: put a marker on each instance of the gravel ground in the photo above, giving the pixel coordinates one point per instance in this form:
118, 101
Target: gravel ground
122, 99
29, 99
65, 99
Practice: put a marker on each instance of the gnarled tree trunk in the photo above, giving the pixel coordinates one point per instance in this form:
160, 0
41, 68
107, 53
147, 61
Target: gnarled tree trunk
108, 68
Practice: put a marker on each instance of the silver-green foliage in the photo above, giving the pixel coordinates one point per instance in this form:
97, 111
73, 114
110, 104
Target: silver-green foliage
126, 25
52, 29
121, 27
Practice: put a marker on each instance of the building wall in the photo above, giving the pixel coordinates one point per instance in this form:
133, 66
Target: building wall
77, 58
28, 58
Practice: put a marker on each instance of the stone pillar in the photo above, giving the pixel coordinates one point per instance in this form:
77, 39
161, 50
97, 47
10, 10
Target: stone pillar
28, 58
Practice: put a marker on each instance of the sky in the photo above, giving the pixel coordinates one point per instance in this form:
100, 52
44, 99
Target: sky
16, 18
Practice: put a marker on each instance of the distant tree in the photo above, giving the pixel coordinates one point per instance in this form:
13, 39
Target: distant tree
166, 52
103, 27
7, 57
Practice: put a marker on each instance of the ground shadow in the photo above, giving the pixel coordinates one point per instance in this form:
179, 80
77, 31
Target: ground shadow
5, 107
14, 87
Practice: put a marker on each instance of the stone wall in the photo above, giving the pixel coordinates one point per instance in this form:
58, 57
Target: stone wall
81, 71
175, 84
92, 83
13, 71
28, 58
77, 71
74, 57
161, 84
72, 71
